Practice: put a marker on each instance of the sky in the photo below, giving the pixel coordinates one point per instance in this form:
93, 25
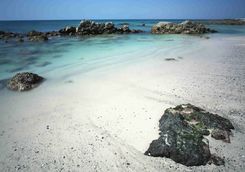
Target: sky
120, 9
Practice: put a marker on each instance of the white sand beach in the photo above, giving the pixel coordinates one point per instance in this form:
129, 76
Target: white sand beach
105, 119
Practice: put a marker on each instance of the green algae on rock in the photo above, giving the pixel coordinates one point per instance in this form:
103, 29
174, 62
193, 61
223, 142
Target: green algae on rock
182, 131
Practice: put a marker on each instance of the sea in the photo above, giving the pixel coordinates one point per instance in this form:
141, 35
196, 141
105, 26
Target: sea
63, 56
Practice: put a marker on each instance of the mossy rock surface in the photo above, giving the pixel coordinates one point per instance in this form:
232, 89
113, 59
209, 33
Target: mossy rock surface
182, 131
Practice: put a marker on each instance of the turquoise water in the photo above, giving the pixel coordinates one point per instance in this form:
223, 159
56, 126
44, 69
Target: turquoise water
85, 54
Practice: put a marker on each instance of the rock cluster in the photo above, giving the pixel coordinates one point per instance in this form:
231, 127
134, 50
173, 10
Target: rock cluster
31, 36
182, 131
24, 81
186, 27
88, 27
10, 35
37, 36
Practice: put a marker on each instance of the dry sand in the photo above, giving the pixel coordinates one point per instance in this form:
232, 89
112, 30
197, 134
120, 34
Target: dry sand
104, 120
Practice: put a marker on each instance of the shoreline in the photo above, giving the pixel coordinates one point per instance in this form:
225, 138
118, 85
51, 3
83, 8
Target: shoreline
106, 119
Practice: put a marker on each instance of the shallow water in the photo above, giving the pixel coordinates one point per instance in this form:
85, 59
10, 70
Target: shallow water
68, 55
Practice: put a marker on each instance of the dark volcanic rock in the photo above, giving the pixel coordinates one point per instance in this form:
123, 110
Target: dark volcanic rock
219, 134
37, 36
24, 81
181, 135
125, 29
186, 27
68, 30
88, 27
216, 160
9, 35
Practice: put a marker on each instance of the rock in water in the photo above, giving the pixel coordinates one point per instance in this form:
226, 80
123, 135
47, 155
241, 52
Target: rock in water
88, 27
69, 30
186, 27
181, 135
37, 36
24, 81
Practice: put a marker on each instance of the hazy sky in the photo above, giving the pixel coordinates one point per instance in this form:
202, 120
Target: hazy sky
121, 9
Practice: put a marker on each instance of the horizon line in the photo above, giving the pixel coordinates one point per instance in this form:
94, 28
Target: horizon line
124, 19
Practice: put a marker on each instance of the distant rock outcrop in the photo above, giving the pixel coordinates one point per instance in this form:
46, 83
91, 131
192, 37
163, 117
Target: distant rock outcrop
9, 35
225, 22
24, 81
37, 36
181, 135
186, 27
88, 27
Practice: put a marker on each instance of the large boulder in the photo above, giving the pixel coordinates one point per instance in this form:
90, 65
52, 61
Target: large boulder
186, 27
181, 135
88, 27
24, 81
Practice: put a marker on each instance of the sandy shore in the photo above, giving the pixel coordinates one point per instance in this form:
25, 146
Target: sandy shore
106, 119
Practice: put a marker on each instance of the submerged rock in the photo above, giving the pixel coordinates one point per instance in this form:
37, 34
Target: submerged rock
181, 135
24, 81
170, 59
39, 38
3, 83
186, 27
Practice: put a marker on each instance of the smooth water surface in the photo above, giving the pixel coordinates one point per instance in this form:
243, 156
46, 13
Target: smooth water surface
66, 55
